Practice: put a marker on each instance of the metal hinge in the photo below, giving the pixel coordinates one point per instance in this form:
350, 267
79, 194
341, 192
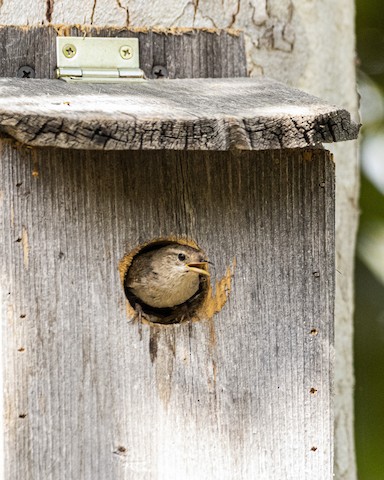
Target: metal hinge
98, 60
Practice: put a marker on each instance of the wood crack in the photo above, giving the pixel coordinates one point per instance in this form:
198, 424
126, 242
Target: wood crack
126, 9
49, 10
195, 9
234, 15
93, 11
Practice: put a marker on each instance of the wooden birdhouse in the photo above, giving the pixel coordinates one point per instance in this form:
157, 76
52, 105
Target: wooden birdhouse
160, 139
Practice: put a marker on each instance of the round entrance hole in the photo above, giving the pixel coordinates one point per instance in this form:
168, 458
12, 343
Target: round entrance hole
165, 280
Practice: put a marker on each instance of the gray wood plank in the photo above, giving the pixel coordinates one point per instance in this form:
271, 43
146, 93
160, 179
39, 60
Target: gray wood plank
191, 114
85, 394
184, 52
189, 53
227, 398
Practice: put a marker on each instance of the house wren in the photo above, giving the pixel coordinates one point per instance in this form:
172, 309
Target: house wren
166, 277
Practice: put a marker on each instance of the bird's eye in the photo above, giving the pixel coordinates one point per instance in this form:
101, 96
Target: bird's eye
181, 257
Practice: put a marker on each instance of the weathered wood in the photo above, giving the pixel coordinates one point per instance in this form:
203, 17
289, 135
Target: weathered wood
154, 115
91, 395
191, 114
301, 46
185, 53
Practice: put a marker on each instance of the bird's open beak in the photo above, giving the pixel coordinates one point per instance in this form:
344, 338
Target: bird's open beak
199, 267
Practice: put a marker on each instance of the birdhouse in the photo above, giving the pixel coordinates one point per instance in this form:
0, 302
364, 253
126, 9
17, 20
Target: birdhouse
147, 141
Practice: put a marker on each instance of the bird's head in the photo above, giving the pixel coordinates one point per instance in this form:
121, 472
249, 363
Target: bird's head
182, 259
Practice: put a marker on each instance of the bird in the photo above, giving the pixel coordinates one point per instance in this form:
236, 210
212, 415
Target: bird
166, 277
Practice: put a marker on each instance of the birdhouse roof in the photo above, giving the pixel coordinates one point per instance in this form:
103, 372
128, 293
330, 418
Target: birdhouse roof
181, 114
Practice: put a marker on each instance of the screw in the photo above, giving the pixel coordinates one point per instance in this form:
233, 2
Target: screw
26, 72
126, 52
69, 50
158, 71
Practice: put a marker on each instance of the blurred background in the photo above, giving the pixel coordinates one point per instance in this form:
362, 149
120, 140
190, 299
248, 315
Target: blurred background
369, 313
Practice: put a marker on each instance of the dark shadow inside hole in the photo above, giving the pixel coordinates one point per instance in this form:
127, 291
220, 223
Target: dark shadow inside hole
171, 315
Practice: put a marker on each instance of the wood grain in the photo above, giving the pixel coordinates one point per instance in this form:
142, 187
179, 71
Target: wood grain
91, 395
183, 114
185, 53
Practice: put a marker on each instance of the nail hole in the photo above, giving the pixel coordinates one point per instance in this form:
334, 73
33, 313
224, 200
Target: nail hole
61, 255
21, 349
316, 274
120, 450
313, 449
18, 240
322, 184
23, 315
22, 415
314, 332
147, 291
313, 391
19, 184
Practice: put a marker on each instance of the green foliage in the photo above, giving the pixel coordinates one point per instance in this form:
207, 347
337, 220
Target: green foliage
369, 316
370, 38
